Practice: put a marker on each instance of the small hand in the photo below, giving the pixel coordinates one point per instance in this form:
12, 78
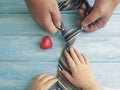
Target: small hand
43, 82
45, 13
81, 73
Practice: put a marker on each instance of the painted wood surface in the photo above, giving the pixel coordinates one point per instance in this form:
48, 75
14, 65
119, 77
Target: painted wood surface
21, 58
18, 6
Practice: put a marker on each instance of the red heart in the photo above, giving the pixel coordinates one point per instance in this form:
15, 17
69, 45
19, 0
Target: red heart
46, 42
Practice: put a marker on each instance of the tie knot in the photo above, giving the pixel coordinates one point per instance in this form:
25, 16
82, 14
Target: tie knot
70, 36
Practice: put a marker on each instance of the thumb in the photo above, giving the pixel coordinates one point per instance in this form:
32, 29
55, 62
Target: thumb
56, 17
92, 17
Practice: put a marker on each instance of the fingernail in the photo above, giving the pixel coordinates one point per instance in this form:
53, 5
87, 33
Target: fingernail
65, 51
71, 48
58, 25
86, 28
74, 49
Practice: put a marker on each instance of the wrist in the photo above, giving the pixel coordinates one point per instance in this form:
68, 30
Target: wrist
94, 86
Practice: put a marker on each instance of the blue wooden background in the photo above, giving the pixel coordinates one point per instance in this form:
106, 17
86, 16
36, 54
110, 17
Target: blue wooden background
21, 58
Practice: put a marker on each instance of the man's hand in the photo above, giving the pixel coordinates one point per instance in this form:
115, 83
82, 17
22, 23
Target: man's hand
43, 82
81, 75
45, 13
101, 13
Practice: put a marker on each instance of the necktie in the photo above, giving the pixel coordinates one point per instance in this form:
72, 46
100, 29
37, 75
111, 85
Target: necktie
72, 5
69, 37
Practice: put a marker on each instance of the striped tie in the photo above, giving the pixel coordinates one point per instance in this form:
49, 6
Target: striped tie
72, 5
69, 37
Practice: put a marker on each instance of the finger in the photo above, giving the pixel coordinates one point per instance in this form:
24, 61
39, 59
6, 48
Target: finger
69, 60
80, 57
84, 7
48, 24
56, 17
55, 89
74, 56
92, 17
85, 59
92, 27
40, 76
95, 25
67, 76
46, 78
50, 82
82, 13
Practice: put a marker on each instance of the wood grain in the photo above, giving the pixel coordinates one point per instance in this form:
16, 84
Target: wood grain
19, 75
19, 6
21, 58
98, 49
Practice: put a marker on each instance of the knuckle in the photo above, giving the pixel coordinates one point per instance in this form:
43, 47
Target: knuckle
89, 20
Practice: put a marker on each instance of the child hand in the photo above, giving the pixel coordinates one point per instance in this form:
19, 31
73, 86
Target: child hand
45, 13
43, 82
81, 74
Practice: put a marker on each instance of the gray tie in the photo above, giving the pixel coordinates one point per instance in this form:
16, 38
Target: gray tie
69, 37
73, 5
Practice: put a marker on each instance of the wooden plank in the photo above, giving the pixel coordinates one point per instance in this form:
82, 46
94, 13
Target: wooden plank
19, 6
107, 74
26, 48
15, 6
18, 75
23, 24
21, 58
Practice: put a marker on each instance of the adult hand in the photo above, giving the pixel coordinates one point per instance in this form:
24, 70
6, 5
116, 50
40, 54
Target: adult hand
45, 13
43, 82
81, 75
101, 13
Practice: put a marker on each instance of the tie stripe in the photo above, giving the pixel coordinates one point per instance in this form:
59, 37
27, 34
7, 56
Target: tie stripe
70, 37
71, 4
